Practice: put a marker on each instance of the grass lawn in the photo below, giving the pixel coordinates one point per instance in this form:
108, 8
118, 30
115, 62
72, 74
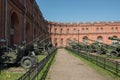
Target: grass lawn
42, 75
9, 75
97, 68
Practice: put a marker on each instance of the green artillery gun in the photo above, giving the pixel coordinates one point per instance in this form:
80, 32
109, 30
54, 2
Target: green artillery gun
115, 47
18, 55
73, 45
49, 47
103, 48
79, 46
43, 47
99, 47
82, 46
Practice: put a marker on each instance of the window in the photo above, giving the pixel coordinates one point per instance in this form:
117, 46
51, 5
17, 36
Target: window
75, 30
99, 38
82, 29
112, 29
67, 31
86, 29
101, 29
116, 29
61, 41
97, 29
55, 30
61, 31
114, 41
85, 39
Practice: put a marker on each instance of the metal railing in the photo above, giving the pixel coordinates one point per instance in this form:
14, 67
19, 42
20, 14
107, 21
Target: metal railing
108, 64
33, 73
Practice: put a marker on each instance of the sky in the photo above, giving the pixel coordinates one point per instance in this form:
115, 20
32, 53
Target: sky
80, 10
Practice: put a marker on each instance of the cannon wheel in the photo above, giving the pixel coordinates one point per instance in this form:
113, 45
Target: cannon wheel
26, 62
114, 53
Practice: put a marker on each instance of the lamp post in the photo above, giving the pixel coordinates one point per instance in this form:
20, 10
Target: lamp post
78, 36
54, 39
78, 39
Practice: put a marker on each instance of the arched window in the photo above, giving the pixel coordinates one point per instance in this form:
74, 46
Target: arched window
114, 41
13, 24
85, 39
99, 39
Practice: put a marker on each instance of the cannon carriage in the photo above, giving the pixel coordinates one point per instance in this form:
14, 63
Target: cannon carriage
103, 48
115, 46
17, 54
25, 55
78, 45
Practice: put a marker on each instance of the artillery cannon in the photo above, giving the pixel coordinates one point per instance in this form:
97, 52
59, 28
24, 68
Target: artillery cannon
18, 55
78, 46
100, 47
43, 46
104, 48
116, 47
97, 47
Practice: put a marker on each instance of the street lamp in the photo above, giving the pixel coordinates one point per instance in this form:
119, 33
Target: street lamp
78, 36
78, 39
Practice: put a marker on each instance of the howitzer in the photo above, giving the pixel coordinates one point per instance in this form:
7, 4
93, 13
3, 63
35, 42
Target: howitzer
18, 54
23, 54
43, 47
78, 46
105, 48
116, 51
114, 38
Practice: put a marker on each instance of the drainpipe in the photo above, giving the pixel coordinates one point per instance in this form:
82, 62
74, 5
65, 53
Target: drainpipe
5, 22
33, 21
25, 12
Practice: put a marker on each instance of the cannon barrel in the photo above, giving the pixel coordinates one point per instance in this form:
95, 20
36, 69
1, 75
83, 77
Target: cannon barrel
114, 38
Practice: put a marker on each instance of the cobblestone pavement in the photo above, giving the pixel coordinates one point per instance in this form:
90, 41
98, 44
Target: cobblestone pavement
68, 67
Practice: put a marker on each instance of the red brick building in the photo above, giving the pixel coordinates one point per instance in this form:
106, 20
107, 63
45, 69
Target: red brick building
21, 20
98, 31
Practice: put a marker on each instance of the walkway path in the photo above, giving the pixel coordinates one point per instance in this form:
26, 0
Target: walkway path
68, 67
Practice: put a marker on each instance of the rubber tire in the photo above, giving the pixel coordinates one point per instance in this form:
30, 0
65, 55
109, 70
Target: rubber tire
26, 62
114, 53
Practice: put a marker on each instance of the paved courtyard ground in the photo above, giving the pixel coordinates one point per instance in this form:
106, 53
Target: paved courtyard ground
68, 67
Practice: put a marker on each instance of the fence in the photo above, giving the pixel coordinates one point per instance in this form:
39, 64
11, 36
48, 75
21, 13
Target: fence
108, 64
34, 71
